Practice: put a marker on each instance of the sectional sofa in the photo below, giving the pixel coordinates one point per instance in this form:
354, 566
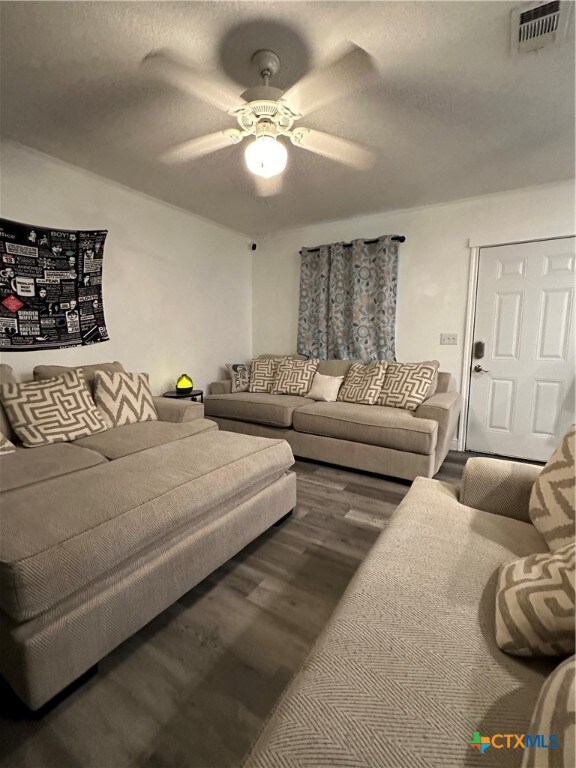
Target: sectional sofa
408, 668
101, 535
374, 438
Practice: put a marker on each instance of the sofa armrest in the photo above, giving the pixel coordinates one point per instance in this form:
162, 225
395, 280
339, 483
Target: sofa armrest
499, 486
443, 407
178, 411
220, 387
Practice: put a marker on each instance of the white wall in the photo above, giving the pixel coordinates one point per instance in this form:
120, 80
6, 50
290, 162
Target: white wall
176, 289
434, 265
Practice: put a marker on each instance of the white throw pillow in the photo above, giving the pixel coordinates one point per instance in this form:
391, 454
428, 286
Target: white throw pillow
239, 374
325, 388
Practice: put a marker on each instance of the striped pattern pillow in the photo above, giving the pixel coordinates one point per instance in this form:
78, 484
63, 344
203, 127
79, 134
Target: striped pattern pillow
552, 501
535, 604
124, 398
407, 385
294, 377
555, 714
5, 445
55, 410
363, 383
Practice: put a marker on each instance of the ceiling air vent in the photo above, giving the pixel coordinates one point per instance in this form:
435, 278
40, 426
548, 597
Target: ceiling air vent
539, 25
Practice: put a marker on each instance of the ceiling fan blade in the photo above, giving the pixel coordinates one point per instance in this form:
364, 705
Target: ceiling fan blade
269, 187
354, 71
206, 87
334, 147
203, 145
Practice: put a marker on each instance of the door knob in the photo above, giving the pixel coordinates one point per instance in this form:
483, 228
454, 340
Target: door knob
479, 369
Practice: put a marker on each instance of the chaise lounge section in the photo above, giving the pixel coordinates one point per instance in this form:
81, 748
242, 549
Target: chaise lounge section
101, 535
408, 667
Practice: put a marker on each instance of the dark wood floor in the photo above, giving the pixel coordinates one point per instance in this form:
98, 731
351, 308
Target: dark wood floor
195, 685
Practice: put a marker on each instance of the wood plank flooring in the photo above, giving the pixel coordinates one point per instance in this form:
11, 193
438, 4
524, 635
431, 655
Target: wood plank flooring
193, 687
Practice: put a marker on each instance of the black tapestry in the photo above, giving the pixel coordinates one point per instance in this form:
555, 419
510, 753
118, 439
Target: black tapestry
50, 287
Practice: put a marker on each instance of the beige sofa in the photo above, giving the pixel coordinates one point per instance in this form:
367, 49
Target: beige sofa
99, 536
408, 668
374, 438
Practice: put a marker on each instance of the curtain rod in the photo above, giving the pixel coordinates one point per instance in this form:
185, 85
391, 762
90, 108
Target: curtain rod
396, 238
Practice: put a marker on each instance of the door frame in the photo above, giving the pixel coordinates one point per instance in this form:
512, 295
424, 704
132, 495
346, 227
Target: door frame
466, 377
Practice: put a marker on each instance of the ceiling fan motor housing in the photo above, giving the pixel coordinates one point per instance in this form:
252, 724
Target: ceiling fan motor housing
275, 112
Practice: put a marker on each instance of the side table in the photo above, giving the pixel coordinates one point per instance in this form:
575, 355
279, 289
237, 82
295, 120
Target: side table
194, 395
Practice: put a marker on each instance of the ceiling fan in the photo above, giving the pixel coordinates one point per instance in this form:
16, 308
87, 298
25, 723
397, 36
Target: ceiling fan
267, 113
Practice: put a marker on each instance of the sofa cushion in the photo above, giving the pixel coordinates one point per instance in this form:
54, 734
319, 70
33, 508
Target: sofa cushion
553, 497
66, 533
555, 715
371, 424
535, 604
407, 385
51, 411
89, 371
408, 667
25, 467
363, 383
124, 398
260, 408
131, 438
294, 377
335, 367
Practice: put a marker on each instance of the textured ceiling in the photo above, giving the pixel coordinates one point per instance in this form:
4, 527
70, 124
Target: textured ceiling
454, 114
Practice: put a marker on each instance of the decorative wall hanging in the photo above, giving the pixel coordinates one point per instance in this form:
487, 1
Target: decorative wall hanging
50, 287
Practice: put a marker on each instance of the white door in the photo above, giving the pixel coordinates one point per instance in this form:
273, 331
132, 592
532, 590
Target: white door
522, 389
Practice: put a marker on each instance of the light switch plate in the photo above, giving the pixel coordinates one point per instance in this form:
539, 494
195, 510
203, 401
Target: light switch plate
448, 338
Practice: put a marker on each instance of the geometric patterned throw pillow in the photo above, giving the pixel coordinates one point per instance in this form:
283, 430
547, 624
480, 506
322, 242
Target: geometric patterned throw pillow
552, 500
407, 385
5, 445
263, 373
363, 383
239, 376
554, 713
51, 411
294, 377
535, 604
124, 398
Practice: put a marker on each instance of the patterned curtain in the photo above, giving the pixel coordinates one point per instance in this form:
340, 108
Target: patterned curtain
348, 301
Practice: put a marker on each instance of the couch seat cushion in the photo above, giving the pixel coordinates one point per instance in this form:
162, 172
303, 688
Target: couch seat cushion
26, 466
131, 438
59, 537
371, 424
408, 667
261, 408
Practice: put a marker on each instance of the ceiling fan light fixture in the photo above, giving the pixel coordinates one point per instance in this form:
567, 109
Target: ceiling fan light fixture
266, 157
